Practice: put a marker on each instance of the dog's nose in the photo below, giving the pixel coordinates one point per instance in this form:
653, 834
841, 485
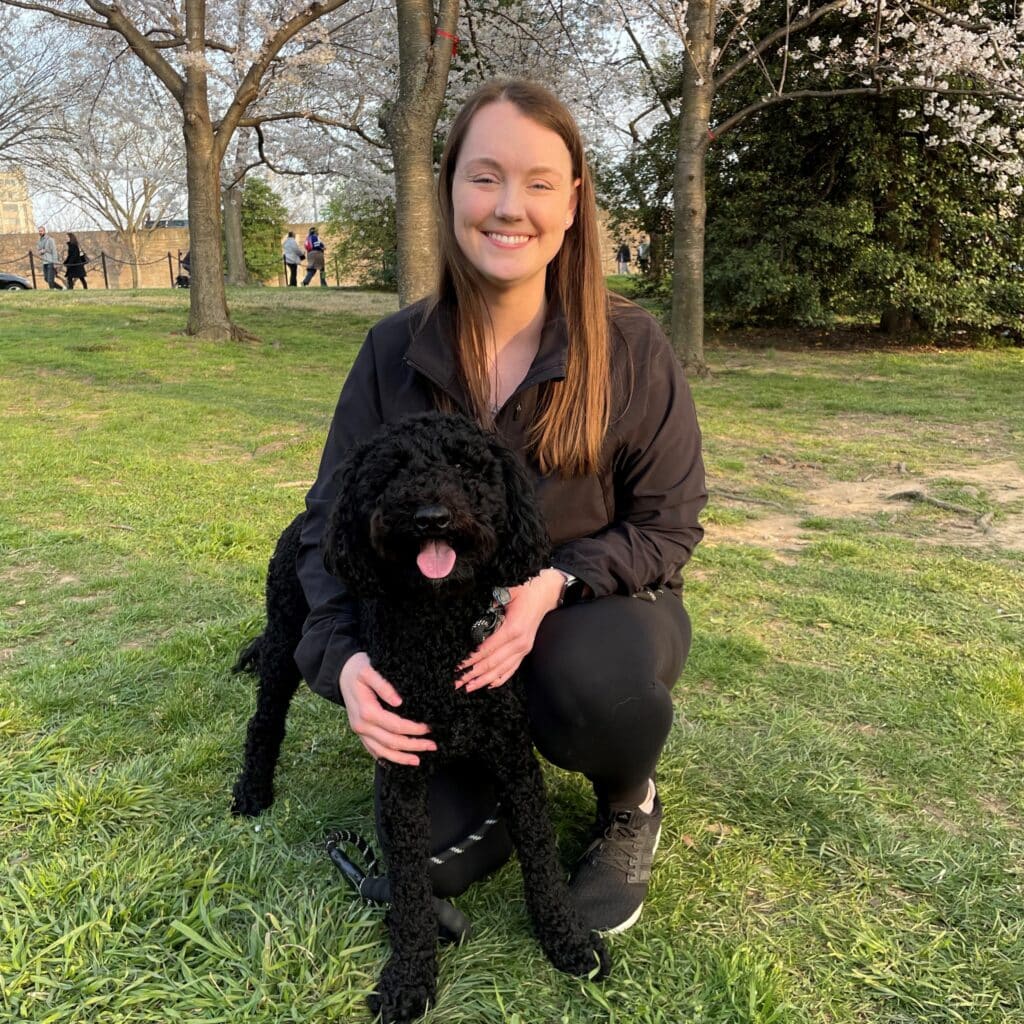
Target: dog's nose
432, 517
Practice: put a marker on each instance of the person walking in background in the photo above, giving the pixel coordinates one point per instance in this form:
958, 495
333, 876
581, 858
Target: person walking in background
74, 263
643, 256
293, 256
622, 258
46, 249
314, 258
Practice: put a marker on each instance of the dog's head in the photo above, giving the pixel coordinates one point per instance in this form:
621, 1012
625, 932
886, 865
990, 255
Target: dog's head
433, 504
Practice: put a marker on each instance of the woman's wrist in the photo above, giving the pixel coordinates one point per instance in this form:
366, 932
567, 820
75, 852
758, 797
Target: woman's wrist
551, 582
572, 589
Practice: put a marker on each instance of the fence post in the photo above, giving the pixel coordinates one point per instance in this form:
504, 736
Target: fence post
103, 260
170, 267
32, 267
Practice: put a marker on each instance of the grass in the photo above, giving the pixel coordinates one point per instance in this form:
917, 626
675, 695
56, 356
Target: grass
844, 777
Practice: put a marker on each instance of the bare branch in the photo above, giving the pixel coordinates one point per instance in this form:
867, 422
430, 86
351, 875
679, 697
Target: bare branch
249, 89
773, 37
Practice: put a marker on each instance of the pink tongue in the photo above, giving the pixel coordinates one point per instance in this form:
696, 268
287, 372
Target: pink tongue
436, 559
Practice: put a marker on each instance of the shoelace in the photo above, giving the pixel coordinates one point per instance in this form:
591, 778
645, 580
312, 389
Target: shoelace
611, 846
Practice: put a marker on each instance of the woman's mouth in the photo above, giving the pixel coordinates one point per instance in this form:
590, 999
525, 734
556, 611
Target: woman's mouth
507, 241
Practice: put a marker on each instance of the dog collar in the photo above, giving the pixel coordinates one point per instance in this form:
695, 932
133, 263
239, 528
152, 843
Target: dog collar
493, 617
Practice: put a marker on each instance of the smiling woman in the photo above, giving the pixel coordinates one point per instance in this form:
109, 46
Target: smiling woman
522, 336
513, 198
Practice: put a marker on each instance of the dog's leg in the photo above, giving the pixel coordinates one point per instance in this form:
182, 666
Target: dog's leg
270, 657
278, 680
409, 979
561, 933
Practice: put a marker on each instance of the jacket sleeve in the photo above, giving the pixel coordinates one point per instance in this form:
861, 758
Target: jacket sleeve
659, 488
330, 635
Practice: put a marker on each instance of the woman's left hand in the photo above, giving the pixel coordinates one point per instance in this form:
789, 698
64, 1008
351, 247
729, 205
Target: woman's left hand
495, 661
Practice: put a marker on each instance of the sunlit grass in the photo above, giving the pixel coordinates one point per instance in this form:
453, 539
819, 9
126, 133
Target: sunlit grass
843, 781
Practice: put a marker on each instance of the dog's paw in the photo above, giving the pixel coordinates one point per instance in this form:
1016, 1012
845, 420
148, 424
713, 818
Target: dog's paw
399, 1005
405, 989
248, 803
587, 959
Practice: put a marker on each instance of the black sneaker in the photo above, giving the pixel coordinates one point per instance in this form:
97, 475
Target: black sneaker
610, 882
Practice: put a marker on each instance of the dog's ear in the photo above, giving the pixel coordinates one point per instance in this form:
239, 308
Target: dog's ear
524, 549
345, 545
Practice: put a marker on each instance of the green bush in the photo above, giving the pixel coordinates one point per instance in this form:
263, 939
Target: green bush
263, 220
367, 233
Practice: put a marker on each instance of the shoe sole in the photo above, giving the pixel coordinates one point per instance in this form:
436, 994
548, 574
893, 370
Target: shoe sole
635, 916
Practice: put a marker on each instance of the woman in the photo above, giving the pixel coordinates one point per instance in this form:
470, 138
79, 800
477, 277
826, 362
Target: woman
74, 263
315, 250
523, 336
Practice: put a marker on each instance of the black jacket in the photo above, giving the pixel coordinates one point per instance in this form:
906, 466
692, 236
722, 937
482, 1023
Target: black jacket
633, 524
73, 261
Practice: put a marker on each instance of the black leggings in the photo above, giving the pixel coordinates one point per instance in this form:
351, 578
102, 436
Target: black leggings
598, 684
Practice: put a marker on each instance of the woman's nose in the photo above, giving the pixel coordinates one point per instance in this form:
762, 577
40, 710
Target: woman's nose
509, 205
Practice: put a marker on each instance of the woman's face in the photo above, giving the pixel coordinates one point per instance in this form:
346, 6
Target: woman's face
513, 197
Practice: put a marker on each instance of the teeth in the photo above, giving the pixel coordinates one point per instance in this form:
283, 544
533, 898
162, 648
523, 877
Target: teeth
508, 239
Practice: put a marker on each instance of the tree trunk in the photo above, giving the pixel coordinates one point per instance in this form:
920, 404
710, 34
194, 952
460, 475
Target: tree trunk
896, 317
658, 242
208, 307
131, 243
690, 200
234, 246
231, 205
424, 60
415, 211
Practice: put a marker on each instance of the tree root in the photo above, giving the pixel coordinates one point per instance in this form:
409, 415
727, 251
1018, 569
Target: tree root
733, 496
982, 522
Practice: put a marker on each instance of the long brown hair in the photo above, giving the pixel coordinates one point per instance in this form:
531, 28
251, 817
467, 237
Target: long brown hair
573, 414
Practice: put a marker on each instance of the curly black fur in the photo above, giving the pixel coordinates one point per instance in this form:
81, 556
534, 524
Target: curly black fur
471, 493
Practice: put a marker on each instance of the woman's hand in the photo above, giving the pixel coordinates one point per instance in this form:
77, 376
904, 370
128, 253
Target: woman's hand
385, 735
495, 661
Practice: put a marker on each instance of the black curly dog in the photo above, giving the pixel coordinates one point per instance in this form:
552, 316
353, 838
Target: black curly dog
433, 515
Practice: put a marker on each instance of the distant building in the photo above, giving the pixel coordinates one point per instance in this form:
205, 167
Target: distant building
169, 223
15, 205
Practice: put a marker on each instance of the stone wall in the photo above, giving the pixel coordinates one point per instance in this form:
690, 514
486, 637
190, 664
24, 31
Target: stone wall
154, 271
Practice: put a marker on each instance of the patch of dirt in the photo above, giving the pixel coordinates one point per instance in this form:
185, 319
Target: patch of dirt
1001, 809
1003, 482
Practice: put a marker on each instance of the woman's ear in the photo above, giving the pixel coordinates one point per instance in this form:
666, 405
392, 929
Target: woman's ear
525, 547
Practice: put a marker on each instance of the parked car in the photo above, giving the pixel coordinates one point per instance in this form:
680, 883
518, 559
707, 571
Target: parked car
13, 282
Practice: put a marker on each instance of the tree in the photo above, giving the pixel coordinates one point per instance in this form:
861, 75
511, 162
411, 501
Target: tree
873, 49
189, 51
30, 60
367, 233
385, 142
117, 153
425, 48
636, 191
262, 223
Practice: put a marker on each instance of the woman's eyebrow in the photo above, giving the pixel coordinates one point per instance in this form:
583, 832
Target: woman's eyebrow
486, 161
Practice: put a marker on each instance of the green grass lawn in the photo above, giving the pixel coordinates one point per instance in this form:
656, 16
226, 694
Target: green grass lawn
844, 780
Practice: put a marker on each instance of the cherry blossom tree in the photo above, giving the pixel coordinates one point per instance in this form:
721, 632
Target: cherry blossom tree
965, 60
117, 152
198, 54
400, 70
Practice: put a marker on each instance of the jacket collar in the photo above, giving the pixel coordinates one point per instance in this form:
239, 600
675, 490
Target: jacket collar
432, 354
